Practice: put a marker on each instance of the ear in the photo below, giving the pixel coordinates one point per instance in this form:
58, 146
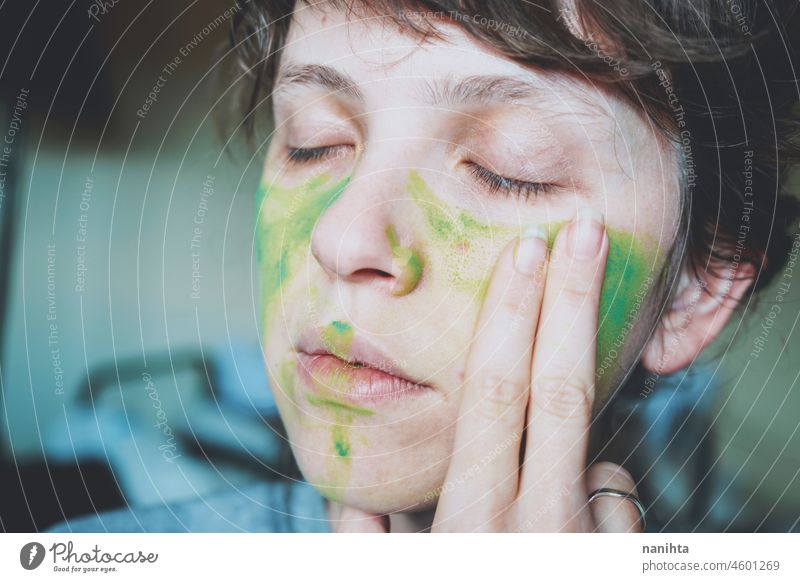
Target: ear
703, 305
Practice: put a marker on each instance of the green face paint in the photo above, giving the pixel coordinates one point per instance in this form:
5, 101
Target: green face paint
461, 241
324, 397
459, 255
407, 262
464, 244
338, 337
285, 220
331, 404
341, 441
338, 418
341, 449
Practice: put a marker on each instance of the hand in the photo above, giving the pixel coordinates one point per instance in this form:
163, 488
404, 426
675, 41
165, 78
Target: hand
530, 375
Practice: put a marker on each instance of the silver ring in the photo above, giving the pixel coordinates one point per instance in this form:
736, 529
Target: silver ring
623, 495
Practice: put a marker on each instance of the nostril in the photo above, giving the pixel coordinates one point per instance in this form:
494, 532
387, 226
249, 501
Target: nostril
374, 273
364, 275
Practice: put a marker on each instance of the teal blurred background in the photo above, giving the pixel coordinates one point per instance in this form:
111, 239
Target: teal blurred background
128, 261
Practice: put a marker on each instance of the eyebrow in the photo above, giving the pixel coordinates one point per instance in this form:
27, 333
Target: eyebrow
449, 91
320, 76
476, 90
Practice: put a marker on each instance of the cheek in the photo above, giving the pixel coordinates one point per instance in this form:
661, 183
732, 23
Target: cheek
630, 274
285, 219
460, 249
462, 252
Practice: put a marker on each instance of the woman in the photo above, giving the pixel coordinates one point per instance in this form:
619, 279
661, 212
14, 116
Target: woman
476, 219
478, 224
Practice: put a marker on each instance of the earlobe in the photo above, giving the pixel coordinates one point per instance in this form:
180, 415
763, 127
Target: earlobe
703, 306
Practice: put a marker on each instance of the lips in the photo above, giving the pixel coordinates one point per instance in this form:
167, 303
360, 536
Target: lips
362, 375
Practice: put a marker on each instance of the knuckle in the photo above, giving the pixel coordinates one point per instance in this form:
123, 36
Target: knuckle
499, 394
563, 398
521, 296
607, 474
577, 286
576, 293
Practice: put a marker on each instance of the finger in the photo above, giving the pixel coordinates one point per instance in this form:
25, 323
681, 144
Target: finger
485, 465
613, 514
353, 520
562, 389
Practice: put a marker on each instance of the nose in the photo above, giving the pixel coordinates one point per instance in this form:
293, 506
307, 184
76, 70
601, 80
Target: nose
362, 238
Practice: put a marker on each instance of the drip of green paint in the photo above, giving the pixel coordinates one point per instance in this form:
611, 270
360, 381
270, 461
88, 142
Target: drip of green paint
341, 441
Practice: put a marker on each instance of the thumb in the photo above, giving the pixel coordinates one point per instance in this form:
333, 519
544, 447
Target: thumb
352, 520
610, 514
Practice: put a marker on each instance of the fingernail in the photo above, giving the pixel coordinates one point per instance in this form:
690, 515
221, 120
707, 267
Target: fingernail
586, 236
530, 250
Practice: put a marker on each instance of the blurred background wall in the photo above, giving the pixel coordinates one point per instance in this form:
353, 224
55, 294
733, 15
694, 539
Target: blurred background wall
128, 233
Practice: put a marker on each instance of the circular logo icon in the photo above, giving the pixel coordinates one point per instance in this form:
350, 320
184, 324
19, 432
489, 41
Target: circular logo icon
31, 555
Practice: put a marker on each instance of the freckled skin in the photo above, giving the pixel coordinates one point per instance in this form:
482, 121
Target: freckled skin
461, 242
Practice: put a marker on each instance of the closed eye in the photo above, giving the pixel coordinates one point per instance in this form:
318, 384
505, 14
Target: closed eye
509, 186
308, 155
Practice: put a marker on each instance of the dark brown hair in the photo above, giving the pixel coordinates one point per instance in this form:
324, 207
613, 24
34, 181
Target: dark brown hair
716, 76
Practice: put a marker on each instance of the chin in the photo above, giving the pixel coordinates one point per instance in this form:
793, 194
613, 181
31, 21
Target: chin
380, 481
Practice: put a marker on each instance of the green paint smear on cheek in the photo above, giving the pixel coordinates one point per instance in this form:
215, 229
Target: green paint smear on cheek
283, 389
463, 243
286, 377
629, 277
285, 219
462, 239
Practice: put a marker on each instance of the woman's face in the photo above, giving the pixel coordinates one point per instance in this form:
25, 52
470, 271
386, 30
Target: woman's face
397, 172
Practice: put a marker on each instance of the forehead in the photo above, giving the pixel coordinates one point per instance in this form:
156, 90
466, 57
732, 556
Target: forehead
391, 66
378, 41
374, 50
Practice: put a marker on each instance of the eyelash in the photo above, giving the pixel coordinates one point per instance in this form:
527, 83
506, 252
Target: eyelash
309, 155
509, 186
495, 182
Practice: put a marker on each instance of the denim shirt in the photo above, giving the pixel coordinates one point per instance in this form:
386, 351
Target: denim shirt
273, 506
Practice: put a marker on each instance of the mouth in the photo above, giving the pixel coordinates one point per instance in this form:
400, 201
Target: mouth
361, 375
